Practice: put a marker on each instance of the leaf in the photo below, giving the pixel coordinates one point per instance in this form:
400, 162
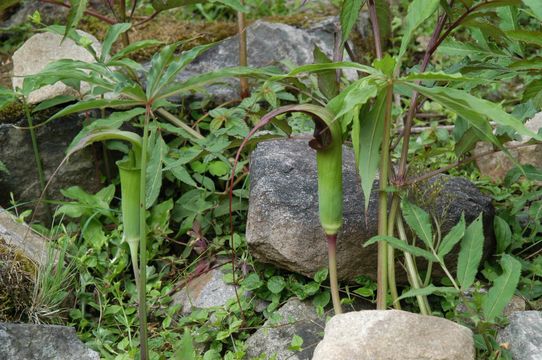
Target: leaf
531, 37
456, 48
321, 275
158, 150
402, 245
419, 221
371, 132
349, 16
234, 4
475, 110
133, 47
503, 234
470, 254
428, 290
503, 288
436, 76
3, 168
327, 82
57, 100
509, 22
161, 5
159, 63
179, 171
276, 284
535, 6
452, 238
83, 106
77, 9
418, 12
186, 349
111, 36
296, 343
93, 234
355, 95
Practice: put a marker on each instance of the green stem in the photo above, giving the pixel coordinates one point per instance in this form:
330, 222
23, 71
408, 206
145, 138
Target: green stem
332, 256
143, 246
172, 119
382, 271
411, 270
37, 157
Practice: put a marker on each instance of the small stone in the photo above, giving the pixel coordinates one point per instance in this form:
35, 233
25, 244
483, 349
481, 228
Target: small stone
41, 50
42, 342
516, 304
273, 339
524, 335
205, 291
394, 335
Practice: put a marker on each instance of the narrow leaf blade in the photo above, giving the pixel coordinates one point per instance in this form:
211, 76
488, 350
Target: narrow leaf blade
503, 288
470, 253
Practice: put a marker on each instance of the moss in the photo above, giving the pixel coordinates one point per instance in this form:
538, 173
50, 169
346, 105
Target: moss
17, 278
11, 113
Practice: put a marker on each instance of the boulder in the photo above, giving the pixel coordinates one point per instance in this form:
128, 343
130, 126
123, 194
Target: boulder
283, 227
394, 335
42, 49
273, 339
524, 335
42, 342
497, 165
17, 154
205, 291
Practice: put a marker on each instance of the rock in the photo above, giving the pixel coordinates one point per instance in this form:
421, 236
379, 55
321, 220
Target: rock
42, 342
19, 13
295, 317
205, 291
497, 165
17, 154
40, 50
516, 304
394, 335
283, 226
23, 238
524, 335
282, 42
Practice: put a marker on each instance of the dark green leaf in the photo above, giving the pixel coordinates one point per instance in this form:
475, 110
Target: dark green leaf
503, 288
503, 234
470, 254
185, 348
321, 275
179, 171
452, 238
419, 221
404, 246
327, 80
349, 16
111, 36
135, 46
276, 284
418, 12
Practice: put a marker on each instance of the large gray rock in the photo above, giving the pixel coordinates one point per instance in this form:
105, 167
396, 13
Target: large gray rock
42, 342
394, 335
42, 49
283, 227
524, 335
17, 154
272, 340
205, 291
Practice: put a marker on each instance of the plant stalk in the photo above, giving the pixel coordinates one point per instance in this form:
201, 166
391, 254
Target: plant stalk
243, 55
143, 339
332, 251
37, 157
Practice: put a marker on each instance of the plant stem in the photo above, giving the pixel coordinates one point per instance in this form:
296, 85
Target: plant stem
122, 15
173, 119
412, 271
37, 157
143, 244
243, 55
382, 272
333, 281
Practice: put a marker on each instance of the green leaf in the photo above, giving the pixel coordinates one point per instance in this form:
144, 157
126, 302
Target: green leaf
321, 275
77, 9
234, 4
57, 100
179, 171
133, 47
93, 234
456, 48
470, 254
419, 221
161, 5
159, 63
402, 245
371, 132
531, 37
509, 22
503, 288
296, 343
276, 284
436, 76
3, 168
353, 96
428, 290
535, 6
111, 36
477, 111
418, 12
218, 168
349, 16
327, 81
452, 238
159, 150
503, 234
185, 349
83, 106
251, 282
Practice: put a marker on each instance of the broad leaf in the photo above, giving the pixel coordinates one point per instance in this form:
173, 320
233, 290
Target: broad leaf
111, 36
503, 234
179, 171
419, 221
503, 288
470, 254
355, 95
452, 238
371, 132
428, 290
418, 12
402, 245
349, 16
